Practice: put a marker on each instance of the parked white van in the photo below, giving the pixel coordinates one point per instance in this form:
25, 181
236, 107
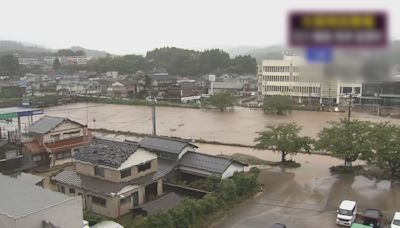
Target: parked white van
347, 212
396, 220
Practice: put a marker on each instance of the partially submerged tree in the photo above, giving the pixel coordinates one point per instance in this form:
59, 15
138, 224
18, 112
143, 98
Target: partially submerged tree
278, 104
283, 138
386, 147
222, 101
347, 140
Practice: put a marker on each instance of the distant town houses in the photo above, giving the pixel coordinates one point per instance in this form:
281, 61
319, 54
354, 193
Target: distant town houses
49, 60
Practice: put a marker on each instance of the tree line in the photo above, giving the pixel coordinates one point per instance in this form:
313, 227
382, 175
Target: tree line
349, 140
177, 61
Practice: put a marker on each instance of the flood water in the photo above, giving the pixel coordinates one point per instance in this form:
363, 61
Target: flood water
239, 126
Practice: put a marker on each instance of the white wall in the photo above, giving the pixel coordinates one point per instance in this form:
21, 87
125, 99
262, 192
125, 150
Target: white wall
234, 167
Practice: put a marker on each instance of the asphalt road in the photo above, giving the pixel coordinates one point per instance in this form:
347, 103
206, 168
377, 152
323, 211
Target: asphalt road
301, 200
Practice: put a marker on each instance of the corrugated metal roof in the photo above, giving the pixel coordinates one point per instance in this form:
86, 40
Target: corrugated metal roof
19, 199
206, 162
170, 145
45, 124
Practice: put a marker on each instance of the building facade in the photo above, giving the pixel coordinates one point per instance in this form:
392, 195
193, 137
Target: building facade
293, 77
54, 140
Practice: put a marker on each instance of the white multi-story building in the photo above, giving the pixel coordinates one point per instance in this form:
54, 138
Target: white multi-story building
303, 82
289, 77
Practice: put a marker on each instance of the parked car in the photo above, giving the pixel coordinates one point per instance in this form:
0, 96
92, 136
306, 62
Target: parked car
395, 221
373, 218
347, 212
278, 225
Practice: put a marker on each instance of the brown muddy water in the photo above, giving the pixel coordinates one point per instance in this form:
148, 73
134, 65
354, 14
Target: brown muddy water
239, 126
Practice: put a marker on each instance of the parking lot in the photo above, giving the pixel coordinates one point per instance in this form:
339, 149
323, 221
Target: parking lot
300, 199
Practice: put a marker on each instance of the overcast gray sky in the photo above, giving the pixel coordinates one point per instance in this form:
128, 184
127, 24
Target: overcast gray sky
130, 26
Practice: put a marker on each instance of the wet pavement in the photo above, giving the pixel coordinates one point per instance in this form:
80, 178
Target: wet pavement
239, 126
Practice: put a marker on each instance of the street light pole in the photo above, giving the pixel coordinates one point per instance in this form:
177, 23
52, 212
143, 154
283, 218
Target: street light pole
349, 111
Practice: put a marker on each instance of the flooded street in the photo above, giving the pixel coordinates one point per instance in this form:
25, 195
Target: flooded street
239, 126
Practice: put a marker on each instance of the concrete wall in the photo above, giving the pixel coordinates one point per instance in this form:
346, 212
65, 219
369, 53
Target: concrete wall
67, 214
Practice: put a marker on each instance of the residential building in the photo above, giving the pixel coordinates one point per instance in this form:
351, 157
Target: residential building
112, 177
161, 82
55, 140
177, 159
232, 87
26, 205
167, 147
183, 92
12, 160
193, 165
124, 89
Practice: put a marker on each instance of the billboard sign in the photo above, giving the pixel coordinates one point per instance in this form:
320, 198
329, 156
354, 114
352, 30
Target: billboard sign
337, 29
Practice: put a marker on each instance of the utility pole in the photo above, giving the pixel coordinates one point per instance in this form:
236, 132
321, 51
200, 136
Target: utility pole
153, 112
349, 111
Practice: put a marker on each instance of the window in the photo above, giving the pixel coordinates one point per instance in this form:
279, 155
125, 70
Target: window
99, 201
125, 173
144, 167
125, 200
72, 134
98, 171
37, 158
11, 154
55, 137
71, 191
63, 155
62, 189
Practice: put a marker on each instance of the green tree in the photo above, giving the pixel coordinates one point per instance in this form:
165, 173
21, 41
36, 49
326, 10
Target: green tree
222, 101
56, 64
243, 65
283, 138
214, 61
386, 147
347, 140
278, 104
9, 65
227, 189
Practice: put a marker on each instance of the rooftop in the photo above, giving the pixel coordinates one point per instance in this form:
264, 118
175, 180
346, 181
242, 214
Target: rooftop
347, 205
19, 199
106, 152
163, 203
28, 178
228, 85
210, 163
46, 124
171, 145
